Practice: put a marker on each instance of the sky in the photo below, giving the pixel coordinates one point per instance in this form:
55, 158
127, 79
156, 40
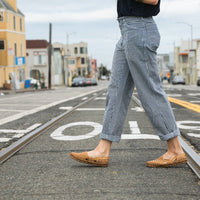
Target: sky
94, 22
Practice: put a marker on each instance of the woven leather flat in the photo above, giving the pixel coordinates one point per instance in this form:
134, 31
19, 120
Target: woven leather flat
161, 162
84, 158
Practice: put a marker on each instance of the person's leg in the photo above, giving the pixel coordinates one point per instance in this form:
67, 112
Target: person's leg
119, 94
141, 45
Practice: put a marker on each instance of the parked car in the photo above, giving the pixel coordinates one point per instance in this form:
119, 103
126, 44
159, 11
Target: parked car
103, 78
93, 82
79, 81
198, 82
88, 82
178, 80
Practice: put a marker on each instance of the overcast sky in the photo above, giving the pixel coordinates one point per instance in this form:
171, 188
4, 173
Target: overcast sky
94, 22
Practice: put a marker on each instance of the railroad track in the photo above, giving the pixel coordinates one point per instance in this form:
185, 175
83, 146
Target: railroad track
192, 156
8, 152
5, 154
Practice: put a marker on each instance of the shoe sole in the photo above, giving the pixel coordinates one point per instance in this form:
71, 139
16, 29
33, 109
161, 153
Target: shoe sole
88, 162
168, 165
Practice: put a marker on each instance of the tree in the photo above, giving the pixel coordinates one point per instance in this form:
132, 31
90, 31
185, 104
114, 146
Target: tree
103, 71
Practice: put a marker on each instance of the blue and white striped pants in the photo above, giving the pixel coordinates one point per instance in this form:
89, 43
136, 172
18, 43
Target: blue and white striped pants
135, 65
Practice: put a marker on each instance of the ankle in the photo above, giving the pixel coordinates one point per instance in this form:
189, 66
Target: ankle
102, 151
104, 147
174, 146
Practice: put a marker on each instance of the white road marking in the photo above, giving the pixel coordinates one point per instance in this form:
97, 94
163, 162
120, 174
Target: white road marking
134, 127
194, 135
139, 137
183, 125
8, 110
136, 134
174, 95
5, 139
194, 94
18, 133
100, 98
85, 98
195, 101
65, 108
138, 109
33, 127
91, 109
29, 112
83, 109
58, 133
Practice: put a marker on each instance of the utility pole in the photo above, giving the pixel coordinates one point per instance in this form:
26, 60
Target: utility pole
50, 54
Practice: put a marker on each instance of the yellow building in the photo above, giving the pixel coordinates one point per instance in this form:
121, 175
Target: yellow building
12, 45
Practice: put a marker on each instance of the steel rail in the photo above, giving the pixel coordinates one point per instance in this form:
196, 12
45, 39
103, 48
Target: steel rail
192, 157
8, 152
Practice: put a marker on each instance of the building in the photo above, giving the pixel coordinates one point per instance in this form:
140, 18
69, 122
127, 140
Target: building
163, 64
38, 63
12, 45
94, 72
198, 59
76, 60
80, 51
58, 72
187, 58
37, 60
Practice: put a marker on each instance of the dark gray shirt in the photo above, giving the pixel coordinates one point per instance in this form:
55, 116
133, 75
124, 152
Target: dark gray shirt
133, 8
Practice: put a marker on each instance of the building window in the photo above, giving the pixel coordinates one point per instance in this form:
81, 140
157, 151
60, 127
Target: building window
75, 50
7, 17
82, 61
184, 59
22, 50
1, 16
82, 50
14, 22
2, 45
20, 24
15, 49
72, 62
21, 75
40, 58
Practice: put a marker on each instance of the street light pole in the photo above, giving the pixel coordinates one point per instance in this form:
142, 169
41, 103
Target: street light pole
191, 32
50, 55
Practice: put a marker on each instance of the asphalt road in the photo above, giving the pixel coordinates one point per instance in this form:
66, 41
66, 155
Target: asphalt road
44, 170
21, 113
188, 120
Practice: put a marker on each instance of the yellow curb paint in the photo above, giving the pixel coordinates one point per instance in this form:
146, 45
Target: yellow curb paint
185, 104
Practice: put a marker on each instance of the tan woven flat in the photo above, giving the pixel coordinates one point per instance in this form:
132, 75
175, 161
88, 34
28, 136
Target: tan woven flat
161, 162
84, 158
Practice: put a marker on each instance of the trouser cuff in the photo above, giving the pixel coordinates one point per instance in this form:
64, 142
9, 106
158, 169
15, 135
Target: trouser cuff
110, 137
170, 135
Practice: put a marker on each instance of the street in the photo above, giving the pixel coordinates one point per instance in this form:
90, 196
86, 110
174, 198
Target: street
44, 170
